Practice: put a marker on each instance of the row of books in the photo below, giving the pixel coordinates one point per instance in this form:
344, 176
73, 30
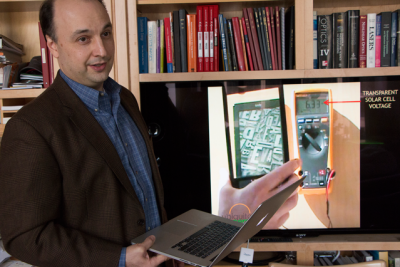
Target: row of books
392, 258
263, 39
350, 40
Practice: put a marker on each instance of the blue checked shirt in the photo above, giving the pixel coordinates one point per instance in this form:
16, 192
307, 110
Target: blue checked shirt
127, 140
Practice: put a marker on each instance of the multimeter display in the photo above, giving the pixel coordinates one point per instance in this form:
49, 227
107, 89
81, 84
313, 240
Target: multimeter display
308, 105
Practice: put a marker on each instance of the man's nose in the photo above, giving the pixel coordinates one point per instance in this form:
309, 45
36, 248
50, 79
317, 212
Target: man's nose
99, 48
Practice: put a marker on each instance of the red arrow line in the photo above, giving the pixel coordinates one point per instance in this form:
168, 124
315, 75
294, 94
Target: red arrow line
327, 102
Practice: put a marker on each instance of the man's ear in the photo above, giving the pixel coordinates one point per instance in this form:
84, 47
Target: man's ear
52, 45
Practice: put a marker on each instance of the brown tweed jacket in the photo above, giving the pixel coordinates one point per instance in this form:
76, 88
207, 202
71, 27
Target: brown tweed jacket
65, 198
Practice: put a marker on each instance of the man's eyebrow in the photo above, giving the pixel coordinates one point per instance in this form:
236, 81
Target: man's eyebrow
108, 25
80, 31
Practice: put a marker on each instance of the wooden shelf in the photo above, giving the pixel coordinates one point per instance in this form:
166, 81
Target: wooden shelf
20, 93
356, 72
10, 111
199, 2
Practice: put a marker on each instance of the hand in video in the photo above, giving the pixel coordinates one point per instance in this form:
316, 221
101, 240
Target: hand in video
238, 204
138, 256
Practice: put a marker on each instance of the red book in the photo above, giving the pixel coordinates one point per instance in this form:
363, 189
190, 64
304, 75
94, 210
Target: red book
199, 18
246, 39
216, 46
168, 45
278, 38
362, 59
238, 43
270, 38
255, 38
243, 45
44, 53
250, 37
206, 56
211, 38
271, 10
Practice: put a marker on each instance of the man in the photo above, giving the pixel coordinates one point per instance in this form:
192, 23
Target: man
79, 178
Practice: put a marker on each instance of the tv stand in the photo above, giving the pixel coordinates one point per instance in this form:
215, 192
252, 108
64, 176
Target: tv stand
305, 247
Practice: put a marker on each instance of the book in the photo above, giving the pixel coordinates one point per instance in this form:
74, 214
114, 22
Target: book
353, 28
378, 41
290, 41
45, 63
216, 45
183, 39
211, 36
324, 39
232, 45
278, 37
250, 37
266, 38
247, 43
168, 45
371, 35
152, 43
191, 42
377, 254
362, 60
238, 44
395, 255
158, 47
206, 56
228, 45
200, 49
255, 38
274, 41
398, 37
393, 47
271, 46
223, 42
171, 24
162, 47
315, 40
283, 38
260, 38
6, 42
391, 262
142, 44
177, 42
339, 56
386, 28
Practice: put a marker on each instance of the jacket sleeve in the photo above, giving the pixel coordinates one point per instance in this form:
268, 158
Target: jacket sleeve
31, 205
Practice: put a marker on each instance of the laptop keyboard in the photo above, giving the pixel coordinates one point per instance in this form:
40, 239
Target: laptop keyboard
207, 240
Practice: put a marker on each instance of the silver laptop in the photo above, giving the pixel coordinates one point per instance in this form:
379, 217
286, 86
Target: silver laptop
202, 239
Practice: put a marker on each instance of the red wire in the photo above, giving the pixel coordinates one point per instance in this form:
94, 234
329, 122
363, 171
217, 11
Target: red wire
328, 183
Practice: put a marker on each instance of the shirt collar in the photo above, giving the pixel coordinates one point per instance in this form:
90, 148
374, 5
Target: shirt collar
90, 96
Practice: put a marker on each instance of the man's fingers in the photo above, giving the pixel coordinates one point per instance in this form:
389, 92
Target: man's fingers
158, 259
277, 176
148, 242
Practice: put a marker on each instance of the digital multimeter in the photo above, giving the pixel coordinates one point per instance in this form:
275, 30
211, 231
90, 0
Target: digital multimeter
313, 120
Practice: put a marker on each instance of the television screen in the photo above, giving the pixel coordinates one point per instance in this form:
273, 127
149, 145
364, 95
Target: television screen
345, 131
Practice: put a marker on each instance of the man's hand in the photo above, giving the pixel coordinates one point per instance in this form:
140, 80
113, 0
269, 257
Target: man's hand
249, 198
137, 255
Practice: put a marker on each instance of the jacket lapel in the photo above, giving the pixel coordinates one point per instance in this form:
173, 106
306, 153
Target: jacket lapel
92, 130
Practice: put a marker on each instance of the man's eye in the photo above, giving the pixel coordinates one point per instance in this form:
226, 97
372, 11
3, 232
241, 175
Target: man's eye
82, 39
106, 34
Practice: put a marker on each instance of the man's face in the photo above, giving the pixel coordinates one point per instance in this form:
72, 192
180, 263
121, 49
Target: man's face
85, 44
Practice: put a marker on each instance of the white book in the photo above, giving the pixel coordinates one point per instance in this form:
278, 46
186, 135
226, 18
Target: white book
396, 256
152, 45
371, 29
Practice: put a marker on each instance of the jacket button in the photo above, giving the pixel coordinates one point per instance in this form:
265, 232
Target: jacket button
140, 222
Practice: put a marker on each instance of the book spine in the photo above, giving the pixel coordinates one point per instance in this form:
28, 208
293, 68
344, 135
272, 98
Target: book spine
162, 47
340, 40
200, 17
273, 30
216, 45
183, 39
378, 41
228, 45
152, 46
248, 29
324, 41
278, 37
243, 46
168, 45
247, 42
315, 40
362, 59
291, 59
255, 38
393, 52
158, 47
223, 42
142, 42
238, 43
398, 39
171, 25
260, 38
371, 35
353, 28
385, 38
268, 17
266, 40
211, 36
177, 43
232, 45
206, 56
191, 42
283, 38
217, 57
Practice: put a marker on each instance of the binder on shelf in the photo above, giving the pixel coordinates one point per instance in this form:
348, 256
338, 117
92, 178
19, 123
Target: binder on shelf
142, 45
45, 62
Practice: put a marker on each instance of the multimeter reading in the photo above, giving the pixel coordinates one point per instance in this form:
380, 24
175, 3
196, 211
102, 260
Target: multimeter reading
313, 122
